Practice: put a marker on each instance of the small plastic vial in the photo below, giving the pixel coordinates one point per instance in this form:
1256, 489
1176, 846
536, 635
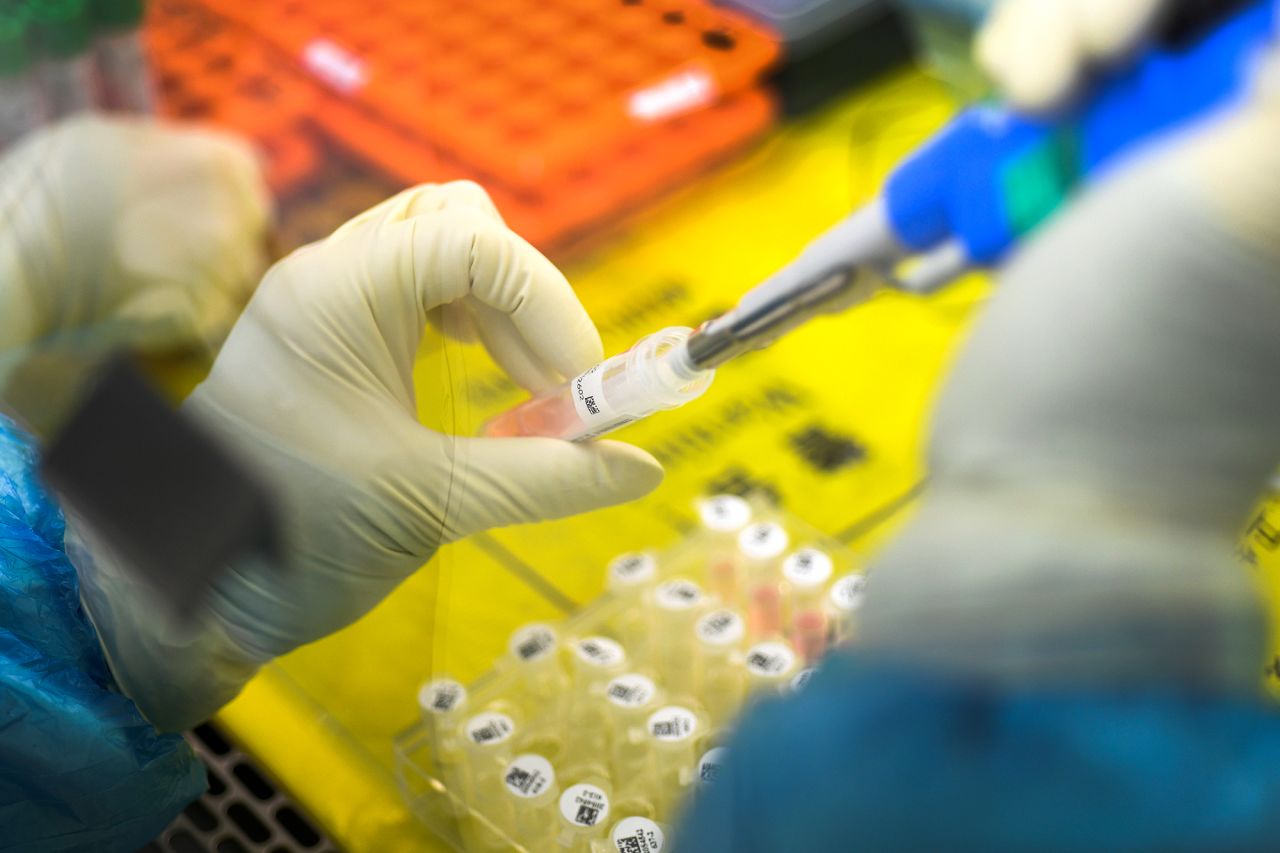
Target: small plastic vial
653, 375
673, 731
596, 660
710, 763
677, 603
535, 652
584, 814
443, 703
762, 545
487, 740
806, 573
530, 785
842, 606
720, 635
629, 699
628, 578
723, 516
770, 667
637, 835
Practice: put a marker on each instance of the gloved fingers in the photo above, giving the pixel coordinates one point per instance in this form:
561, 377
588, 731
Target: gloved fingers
497, 482
424, 200
509, 349
454, 320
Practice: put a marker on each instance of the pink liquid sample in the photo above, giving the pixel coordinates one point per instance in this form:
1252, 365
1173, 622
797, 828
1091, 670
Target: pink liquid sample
553, 417
764, 611
809, 634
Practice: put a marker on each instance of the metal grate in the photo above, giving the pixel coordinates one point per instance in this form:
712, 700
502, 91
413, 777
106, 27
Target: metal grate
243, 811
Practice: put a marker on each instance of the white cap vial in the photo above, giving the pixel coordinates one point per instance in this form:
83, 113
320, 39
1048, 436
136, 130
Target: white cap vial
770, 665
637, 835
442, 697
807, 571
720, 631
763, 541
801, 679
843, 602
629, 572
724, 513
487, 730
677, 595
584, 810
530, 778
631, 692
710, 763
597, 658
533, 644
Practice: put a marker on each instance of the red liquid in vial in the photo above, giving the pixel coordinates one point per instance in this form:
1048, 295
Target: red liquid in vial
764, 611
809, 634
552, 416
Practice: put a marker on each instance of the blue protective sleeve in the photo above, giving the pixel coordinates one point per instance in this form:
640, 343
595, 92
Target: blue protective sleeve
80, 769
868, 758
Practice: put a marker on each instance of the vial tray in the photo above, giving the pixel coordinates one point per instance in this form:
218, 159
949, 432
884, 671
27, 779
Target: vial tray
589, 734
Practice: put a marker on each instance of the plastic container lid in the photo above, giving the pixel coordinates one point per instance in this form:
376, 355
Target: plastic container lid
724, 513
61, 29
584, 806
721, 628
533, 642
808, 568
15, 53
631, 691
117, 14
488, 729
529, 776
637, 835
672, 724
442, 696
770, 659
631, 570
600, 652
678, 594
764, 540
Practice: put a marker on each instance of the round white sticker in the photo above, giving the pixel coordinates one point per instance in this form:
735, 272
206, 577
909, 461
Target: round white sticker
801, 679
672, 723
710, 763
584, 805
678, 594
724, 513
807, 568
721, 628
632, 569
533, 642
489, 728
630, 691
600, 651
846, 593
441, 696
763, 541
529, 775
770, 659
637, 835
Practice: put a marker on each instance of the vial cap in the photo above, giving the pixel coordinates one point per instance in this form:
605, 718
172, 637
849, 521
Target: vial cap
678, 594
710, 763
721, 628
802, 678
637, 835
489, 728
442, 696
763, 541
672, 724
630, 691
533, 642
770, 659
600, 652
630, 570
584, 805
724, 513
846, 593
529, 775
808, 568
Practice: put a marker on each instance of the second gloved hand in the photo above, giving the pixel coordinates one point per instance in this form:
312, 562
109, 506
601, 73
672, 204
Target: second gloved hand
314, 390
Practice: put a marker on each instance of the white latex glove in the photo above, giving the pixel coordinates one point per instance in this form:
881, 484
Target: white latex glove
1105, 433
314, 390
1038, 51
122, 232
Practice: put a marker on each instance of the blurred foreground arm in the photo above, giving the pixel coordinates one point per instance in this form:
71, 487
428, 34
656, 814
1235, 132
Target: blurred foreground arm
314, 390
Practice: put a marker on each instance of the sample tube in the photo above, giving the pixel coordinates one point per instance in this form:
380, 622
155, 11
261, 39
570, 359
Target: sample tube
761, 545
722, 517
629, 700
769, 667
637, 835
534, 649
842, 605
653, 375
487, 738
20, 107
584, 810
629, 577
710, 763
123, 73
530, 784
62, 29
672, 733
676, 605
806, 572
801, 679
720, 634
596, 660
443, 702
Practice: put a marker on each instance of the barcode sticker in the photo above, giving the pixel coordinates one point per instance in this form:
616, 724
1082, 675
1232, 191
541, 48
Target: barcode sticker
630, 691
672, 723
441, 696
763, 541
710, 763
529, 775
724, 513
770, 659
600, 652
721, 628
632, 569
489, 728
533, 642
584, 804
846, 593
637, 835
807, 568
678, 594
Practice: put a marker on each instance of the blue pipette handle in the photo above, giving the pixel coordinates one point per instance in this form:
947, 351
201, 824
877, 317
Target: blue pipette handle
992, 176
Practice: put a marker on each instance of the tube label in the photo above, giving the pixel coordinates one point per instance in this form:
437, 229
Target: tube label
637, 835
529, 775
584, 805
598, 417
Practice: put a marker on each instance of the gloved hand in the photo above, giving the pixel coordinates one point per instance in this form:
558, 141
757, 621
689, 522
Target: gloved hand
314, 390
121, 232
1105, 432
1038, 51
